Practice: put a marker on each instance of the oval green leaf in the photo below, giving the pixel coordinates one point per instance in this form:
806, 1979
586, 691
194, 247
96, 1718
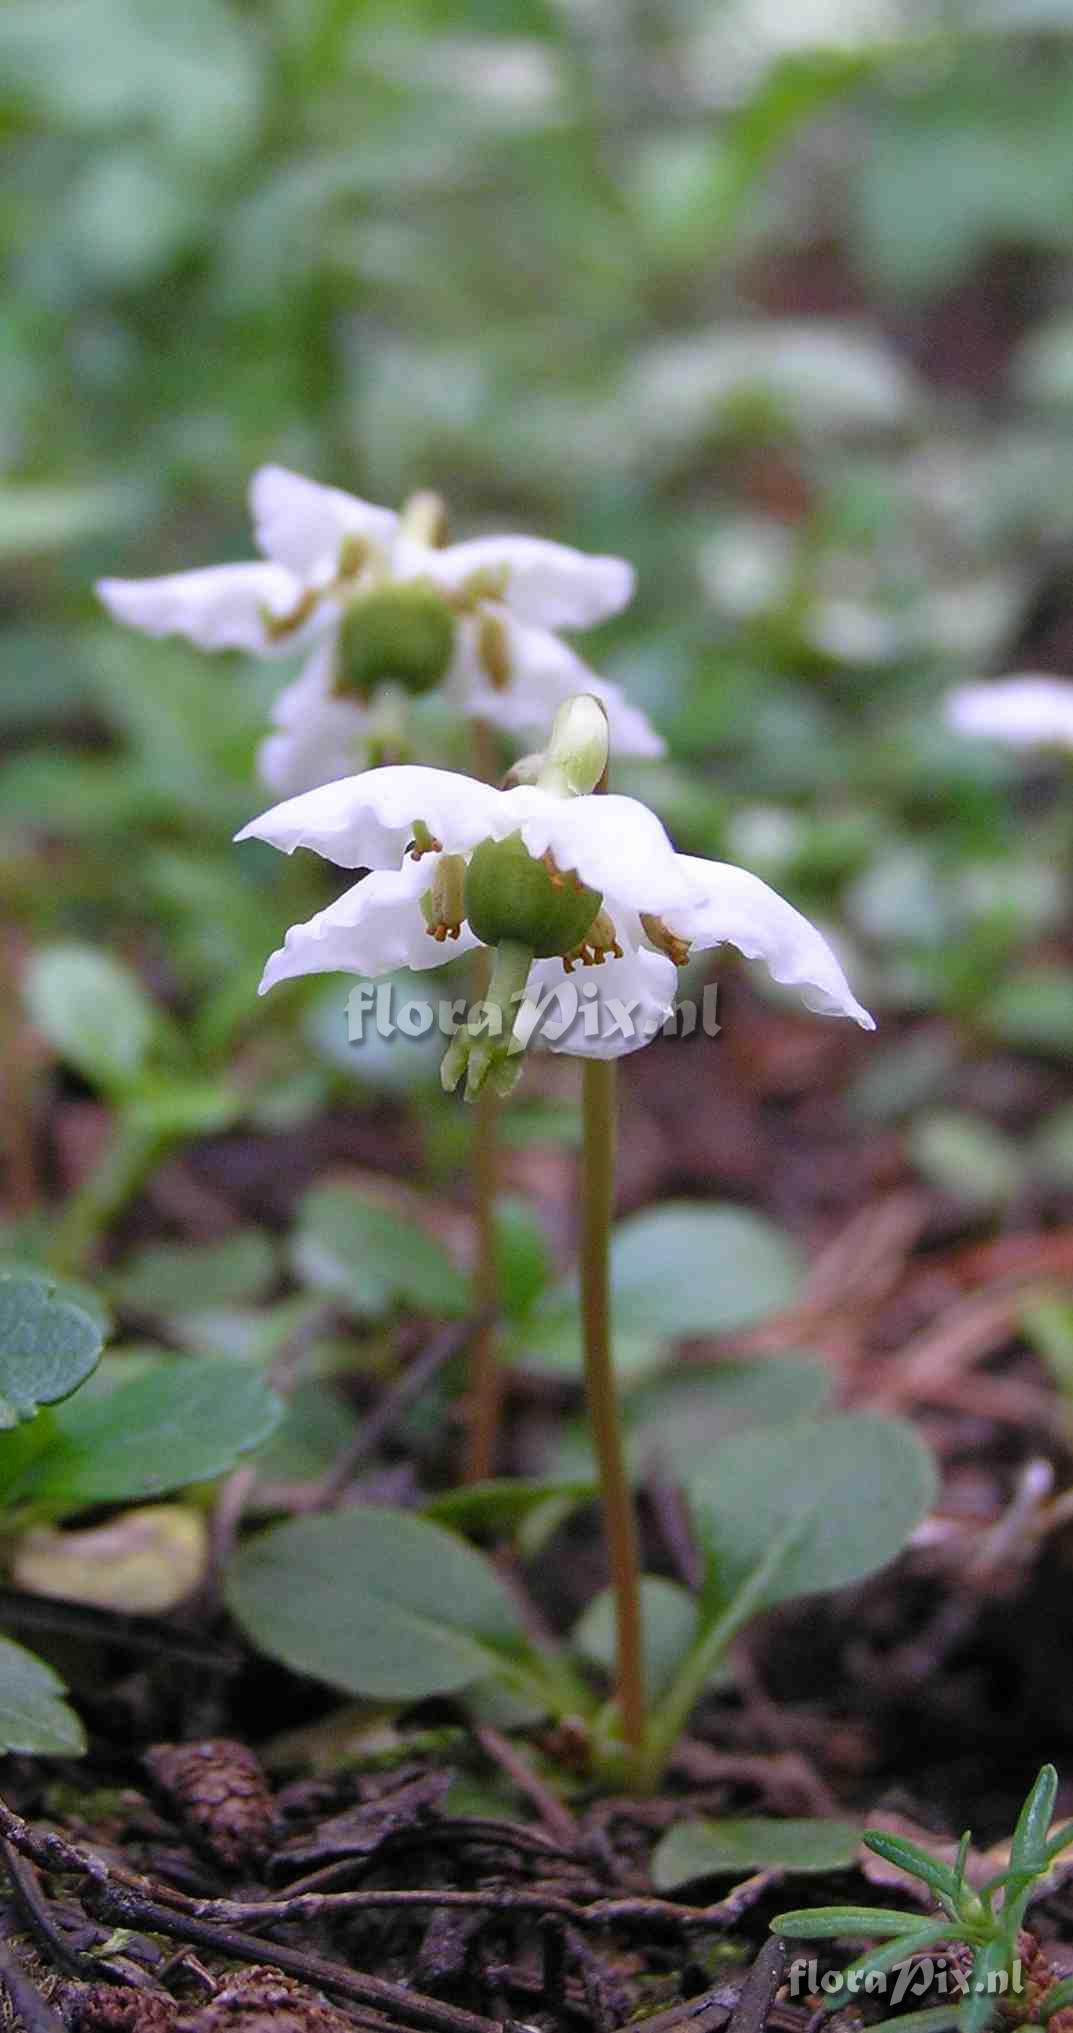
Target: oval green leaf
686, 1268
679, 1271
94, 1012
48, 1345
751, 1842
375, 1602
34, 1718
185, 1420
846, 1493
161, 1278
370, 1259
670, 1617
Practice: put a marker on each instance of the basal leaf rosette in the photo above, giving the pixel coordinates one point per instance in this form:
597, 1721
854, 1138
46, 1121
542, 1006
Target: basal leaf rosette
388, 611
587, 908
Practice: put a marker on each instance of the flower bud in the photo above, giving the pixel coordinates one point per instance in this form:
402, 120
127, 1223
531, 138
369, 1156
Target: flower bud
396, 633
576, 756
510, 896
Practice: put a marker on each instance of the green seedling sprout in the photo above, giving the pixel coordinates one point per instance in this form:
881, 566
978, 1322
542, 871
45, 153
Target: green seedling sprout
987, 1920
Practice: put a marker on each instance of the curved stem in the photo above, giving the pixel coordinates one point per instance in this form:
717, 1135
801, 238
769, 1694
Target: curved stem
486, 1379
129, 1156
620, 1521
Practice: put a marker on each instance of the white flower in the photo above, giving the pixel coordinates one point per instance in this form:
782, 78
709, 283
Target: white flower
381, 600
419, 831
1027, 712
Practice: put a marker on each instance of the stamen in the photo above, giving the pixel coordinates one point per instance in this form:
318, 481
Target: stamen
424, 520
276, 626
443, 904
561, 876
354, 554
493, 650
664, 940
488, 582
600, 940
423, 842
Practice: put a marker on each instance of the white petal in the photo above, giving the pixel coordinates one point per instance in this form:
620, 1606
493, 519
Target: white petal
544, 671
312, 688
544, 583
222, 607
301, 524
1024, 711
616, 845
367, 821
736, 908
329, 741
373, 928
602, 1012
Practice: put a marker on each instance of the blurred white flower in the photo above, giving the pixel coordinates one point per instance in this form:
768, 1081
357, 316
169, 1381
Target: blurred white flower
746, 566
549, 881
1027, 712
384, 604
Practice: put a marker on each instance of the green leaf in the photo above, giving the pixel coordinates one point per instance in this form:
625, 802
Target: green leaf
875, 1960
376, 1602
503, 1503
751, 1842
966, 1157
674, 1422
670, 1616
165, 1277
48, 1345
186, 1420
983, 2003
1059, 1995
37, 519
850, 1490
680, 1270
845, 1923
1033, 1011
523, 1256
908, 1856
316, 1427
34, 1718
1028, 1849
1059, 1842
371, 1259
95, 1013
686, 1268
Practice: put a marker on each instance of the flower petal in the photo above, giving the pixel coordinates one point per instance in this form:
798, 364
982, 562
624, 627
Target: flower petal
312, 688
329, 741
737, 909
372, 929
301, 524
367, 821
1024, 711
616, 845
601, 1012
544, 583
222, 607
543, 671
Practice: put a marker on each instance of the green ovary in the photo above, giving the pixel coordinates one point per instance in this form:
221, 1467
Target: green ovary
401, 634
510, 896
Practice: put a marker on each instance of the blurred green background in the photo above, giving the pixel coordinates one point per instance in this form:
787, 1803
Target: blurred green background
771, 298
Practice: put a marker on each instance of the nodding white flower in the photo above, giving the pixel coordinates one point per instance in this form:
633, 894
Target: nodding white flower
552, 882
384, 603
1027, 712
